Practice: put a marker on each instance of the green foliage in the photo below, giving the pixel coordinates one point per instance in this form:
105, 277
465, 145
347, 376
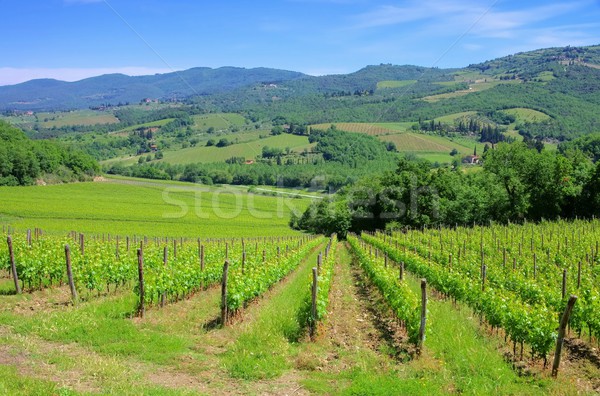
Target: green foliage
522, 292
347, 148
260, 275
397, 293
589, 145
516, 183
22, 160
324, 279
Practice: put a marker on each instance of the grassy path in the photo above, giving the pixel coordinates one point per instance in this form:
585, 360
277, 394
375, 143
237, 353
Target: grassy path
363, 352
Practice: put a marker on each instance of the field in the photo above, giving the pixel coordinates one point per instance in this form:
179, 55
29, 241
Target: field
218, 121
248, 149
137, 207
80, 117
394, 83
476, 86
431, 147
125, 131
176, 333
60, 119
102, 344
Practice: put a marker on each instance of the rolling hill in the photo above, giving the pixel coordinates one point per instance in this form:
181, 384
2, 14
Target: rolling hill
48, 94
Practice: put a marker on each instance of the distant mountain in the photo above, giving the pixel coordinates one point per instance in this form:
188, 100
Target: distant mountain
48, 94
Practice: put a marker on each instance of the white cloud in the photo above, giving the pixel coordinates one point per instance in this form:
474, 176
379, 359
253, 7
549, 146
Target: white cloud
454, 16
13, 75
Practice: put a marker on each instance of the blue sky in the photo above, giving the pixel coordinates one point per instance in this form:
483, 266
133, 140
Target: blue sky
73, 39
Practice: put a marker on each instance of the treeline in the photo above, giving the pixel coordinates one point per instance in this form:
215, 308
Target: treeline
517, 184
466, 126
23, 161
323, 176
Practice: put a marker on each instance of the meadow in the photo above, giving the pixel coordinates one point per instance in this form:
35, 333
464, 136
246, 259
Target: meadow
151, 208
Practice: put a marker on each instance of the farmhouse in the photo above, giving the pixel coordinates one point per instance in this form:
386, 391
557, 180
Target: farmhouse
471, 159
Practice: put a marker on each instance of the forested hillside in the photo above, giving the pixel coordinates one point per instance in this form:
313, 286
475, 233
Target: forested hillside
23, 161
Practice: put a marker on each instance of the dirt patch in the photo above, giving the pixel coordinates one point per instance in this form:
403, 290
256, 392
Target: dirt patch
579, 349
29, 366
99, 179
45, 300
8, 357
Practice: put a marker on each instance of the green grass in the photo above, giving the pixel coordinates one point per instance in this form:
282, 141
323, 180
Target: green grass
396, 126
477, 86
468, 76
264, 350
97, 345
248, 150
148, 208
527, 115
246, 144
394, 83
101, 325
126, 131
437, 157
546, 76
449, 119
75, 117
13, 383
218, 121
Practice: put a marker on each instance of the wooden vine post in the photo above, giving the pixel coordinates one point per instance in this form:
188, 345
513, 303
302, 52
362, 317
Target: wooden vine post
13, 266
402, 271
243, 261
561, 334
319, 262
224, 294
163, 297
313, 310
70, 274
141, 307
202, 258
483, 276
423, 314
82, 244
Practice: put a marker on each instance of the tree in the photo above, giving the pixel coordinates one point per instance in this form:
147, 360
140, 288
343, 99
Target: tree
276, 130
223, 142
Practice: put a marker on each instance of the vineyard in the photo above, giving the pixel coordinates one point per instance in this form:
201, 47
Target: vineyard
519, 278
271, 315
